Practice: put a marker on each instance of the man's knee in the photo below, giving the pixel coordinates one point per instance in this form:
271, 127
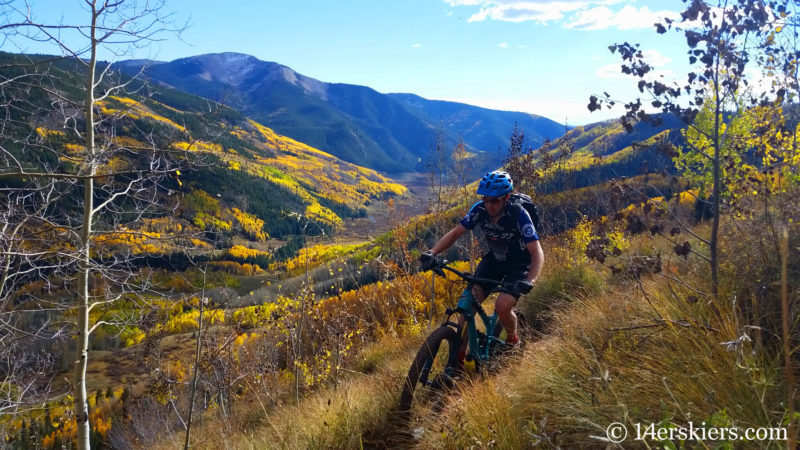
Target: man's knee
504, 304
477, 291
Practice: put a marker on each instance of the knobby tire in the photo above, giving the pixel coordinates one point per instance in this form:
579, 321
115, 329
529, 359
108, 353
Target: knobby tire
427, 352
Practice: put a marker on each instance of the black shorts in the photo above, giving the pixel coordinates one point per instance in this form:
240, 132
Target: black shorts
506, 272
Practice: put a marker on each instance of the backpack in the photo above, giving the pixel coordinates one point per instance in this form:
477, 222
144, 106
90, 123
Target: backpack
525, 201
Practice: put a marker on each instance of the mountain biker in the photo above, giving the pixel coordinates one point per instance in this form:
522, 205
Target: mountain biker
515, 255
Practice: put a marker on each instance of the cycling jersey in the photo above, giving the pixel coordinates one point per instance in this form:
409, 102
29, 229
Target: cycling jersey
508, 238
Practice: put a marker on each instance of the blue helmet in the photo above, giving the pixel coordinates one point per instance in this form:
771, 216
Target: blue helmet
496, 184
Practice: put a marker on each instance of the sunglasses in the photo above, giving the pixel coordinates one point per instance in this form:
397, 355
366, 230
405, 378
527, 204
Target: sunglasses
493, 200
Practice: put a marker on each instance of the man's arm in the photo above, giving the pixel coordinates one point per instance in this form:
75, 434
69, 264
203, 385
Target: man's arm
448, 239
537, 260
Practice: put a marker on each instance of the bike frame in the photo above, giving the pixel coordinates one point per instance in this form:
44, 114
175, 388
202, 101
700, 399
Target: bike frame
469, 307
480, 348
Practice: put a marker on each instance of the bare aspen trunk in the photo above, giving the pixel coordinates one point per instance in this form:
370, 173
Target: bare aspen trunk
82, 332
114, 23
195, 376
717, 191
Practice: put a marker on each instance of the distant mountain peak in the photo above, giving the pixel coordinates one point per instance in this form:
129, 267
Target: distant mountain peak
249, 72
228, 68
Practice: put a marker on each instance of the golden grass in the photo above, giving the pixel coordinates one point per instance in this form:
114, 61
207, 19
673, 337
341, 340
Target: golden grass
358, 412
615, 358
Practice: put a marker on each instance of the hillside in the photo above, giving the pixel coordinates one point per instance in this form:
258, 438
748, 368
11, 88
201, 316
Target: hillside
244, 179
391, 132
483, 129
619, 342
595, 153
302, 340
228, 253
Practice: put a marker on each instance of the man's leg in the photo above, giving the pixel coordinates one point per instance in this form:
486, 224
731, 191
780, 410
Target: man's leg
504, 306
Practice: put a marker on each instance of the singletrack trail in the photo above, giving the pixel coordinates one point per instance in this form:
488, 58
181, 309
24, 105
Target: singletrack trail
409, 432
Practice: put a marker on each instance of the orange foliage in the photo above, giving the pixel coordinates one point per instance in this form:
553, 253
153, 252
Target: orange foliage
252, 225
187, 321
46, 133
310, 257
314, 173
129, 142
235, 268
100, 414
134, 110
242, 252
197, 146
137, 242
74, 149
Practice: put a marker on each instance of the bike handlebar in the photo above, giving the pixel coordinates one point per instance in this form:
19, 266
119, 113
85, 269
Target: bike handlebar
439, 267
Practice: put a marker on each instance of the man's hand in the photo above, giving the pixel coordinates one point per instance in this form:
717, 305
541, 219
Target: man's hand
427, 260
522, 287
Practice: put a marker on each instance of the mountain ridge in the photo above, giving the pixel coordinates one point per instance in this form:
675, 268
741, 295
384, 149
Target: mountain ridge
387, 132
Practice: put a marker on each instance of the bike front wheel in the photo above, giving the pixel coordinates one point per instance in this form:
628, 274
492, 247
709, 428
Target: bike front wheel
433, 367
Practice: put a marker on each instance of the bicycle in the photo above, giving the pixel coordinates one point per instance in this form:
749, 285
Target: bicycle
435, 366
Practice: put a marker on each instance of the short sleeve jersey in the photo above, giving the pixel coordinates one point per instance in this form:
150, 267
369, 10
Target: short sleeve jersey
508, 238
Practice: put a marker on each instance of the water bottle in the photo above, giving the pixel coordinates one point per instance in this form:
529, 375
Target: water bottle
469, 363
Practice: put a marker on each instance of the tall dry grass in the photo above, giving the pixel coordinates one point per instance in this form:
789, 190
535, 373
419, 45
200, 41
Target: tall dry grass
615, 348
358, 412
632, 354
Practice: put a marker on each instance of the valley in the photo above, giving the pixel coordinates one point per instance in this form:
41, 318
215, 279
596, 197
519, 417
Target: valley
380, 215
217, 251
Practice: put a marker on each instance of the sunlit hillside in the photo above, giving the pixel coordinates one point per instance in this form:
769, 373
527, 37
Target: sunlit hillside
302, 171
621, 336
174, 273
248, 181
191, 197
592, 154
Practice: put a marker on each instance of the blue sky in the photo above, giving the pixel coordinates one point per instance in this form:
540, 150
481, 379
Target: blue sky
539, 56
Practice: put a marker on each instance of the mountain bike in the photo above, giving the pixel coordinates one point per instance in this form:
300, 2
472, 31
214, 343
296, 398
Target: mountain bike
436, 366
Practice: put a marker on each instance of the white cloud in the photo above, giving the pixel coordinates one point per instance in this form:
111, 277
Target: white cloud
592, 19
463, 2
416, 45
522, 11
609, 71
652, 57
503, 45
655, 58
577, 14
628, 18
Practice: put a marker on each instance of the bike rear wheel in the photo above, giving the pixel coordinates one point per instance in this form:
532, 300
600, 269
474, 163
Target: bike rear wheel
433, 367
